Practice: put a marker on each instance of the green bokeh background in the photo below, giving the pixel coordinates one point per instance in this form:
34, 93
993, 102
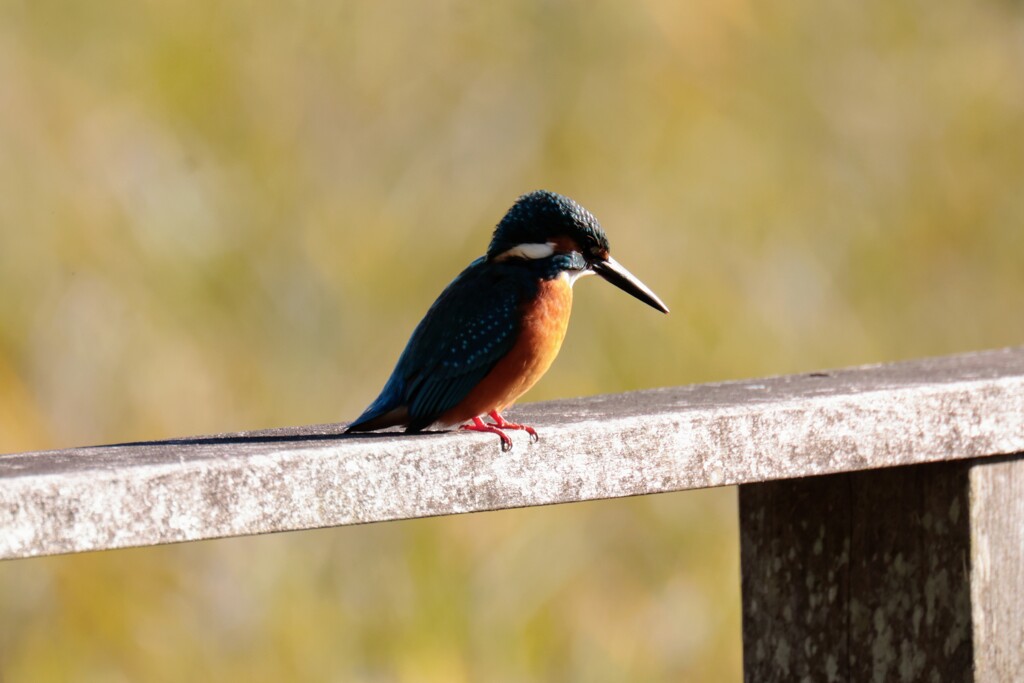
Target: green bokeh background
229, 215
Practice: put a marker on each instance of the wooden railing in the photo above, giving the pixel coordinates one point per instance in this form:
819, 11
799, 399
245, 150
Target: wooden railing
881, 508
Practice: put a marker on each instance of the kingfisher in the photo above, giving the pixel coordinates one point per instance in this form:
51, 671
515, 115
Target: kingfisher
495, 330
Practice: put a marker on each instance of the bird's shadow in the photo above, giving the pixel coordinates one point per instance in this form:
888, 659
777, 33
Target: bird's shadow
277, 438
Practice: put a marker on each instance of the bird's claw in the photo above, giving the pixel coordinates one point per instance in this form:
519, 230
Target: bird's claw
497, 426
501, 423
529, 430
479, 425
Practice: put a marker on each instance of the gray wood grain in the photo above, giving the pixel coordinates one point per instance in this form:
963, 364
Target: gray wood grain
997, 567
599, 447
901, 574
858, 577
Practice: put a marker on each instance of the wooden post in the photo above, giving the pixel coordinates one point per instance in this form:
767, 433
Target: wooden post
899, 574
997, 568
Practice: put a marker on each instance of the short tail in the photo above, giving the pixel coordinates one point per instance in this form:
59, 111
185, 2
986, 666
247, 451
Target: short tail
387, 411
371, 421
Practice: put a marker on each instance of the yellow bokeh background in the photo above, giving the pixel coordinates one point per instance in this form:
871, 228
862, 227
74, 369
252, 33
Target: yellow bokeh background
221, 216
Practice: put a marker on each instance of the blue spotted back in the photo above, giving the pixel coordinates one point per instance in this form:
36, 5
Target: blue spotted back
470, 327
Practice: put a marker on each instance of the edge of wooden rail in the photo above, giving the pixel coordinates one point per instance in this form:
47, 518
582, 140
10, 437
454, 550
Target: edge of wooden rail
102, 497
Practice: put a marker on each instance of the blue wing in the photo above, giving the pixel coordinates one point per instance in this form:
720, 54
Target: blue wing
470, 327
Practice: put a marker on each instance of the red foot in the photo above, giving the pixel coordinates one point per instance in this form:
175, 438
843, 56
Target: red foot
500, 423
481, 426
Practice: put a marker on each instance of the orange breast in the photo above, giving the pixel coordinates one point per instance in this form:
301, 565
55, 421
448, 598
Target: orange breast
544, 321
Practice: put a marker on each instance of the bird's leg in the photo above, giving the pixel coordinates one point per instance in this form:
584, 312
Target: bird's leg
481, 426
500, 423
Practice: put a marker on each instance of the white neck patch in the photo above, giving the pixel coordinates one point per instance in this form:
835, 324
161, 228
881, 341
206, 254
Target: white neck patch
528, 250
571, 276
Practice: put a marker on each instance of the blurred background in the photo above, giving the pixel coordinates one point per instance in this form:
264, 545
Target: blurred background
225, 215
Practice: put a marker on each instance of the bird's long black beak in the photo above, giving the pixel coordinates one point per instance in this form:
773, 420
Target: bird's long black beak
612, 271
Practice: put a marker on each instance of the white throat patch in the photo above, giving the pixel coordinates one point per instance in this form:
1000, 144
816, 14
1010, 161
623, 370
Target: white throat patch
571, 276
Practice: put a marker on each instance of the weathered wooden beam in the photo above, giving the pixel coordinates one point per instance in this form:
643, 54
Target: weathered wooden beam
997, 568
900, 574
923, 411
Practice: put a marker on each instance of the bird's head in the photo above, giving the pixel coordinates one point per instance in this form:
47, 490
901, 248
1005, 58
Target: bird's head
547, 225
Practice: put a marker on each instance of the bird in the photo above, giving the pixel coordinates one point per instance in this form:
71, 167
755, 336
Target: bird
497, 327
